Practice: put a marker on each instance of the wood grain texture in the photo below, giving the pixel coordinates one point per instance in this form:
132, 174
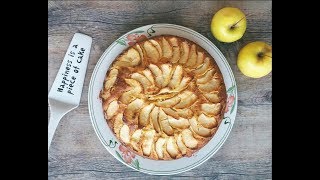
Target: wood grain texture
76, 152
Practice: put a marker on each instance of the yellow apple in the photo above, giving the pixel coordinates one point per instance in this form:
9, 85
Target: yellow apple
255, 59
228, 24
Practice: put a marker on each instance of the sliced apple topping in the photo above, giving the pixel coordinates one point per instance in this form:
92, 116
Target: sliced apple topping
159, 147
183, 84
125, 134
207, 122
145, 114
138, 48
172, 147
203, 68
147, 73
118, 123
206, 77
211, 109
132, 109
135, 139
185, 50
175, 50
112, 109
151, 52
176, 77
193, 56
142, 80
200, 59
188, 139
166, 74
157, 74
154, 119
164, 123
164, 97
187, 99
147, 142
166, 48
199, 129
131, 95
181, 123
213, 96
112, 77
158, 47
182, 147
129, 59
212, 85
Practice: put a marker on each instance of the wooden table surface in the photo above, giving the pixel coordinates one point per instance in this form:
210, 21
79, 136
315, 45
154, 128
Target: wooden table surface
76, 152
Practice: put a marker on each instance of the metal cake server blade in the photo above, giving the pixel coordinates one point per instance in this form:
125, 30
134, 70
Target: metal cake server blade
66, 89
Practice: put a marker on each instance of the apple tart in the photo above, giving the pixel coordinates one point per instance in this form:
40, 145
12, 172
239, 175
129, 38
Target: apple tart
164, 97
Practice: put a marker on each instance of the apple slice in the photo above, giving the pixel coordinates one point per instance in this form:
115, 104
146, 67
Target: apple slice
166, 48
175, 50
142, 80
158, 47
181, 123
177, 113
151, 52
200, 59
171, 112
144, 114
112, 77
176, 77
193, 56
207, 122
211, 85
138, 48
125, 134
172, 147
112, 109
128, 96
206, 77
157, 74
148, 142
129, 59
188, 139
135, 139
154, 119
211, 109
118, 123
213, 96
166, 74
183, 84
165, 126
168, 102
203, 68
147, 73
132, 109
182, 147
199, 129
159, 147
187, 99
185, 113
184, 53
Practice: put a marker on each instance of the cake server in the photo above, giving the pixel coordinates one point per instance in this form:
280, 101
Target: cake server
66, 89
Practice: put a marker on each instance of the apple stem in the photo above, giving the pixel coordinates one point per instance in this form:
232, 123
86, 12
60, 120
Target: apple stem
261, 54
234, 25
267, 56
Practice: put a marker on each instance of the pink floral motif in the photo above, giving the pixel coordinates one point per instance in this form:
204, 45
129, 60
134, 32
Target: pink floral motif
133, 38
126, 154
230, 101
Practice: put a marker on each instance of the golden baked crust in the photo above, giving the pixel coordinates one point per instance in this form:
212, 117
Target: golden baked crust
164, 97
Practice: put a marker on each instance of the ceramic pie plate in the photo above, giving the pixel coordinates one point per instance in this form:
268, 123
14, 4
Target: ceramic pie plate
110, 141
